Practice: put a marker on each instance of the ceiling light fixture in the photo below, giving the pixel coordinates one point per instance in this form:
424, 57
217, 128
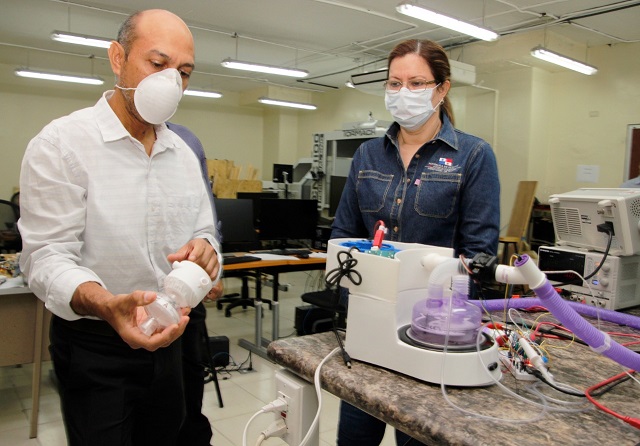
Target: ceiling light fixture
542, 53
302, 105
80, 39
261, 68
203, 94
22, 72
414, 9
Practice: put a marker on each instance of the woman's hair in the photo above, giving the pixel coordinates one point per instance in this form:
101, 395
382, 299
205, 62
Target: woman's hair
435, 56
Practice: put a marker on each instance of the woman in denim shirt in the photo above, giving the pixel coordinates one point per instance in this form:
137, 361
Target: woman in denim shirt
427, 181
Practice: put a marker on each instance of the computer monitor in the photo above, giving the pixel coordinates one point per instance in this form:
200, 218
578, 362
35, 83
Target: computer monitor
283, 173
235, 217
336, 186
255, 197
282, 220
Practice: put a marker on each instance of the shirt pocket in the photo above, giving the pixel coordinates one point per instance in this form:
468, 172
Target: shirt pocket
372, 188
437, 194
180, 217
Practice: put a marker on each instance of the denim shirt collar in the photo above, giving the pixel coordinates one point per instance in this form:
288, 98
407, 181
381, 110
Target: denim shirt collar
446, 134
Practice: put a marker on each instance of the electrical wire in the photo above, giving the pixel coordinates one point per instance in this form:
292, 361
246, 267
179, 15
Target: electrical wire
595, 271
345, 268
318, 386
236, 367
543, 403
246, 426
635, 422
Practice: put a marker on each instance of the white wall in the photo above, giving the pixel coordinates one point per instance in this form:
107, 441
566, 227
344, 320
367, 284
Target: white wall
548, 122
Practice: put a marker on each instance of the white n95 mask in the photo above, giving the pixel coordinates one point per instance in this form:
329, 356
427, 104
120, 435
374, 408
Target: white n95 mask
410, 109
157, 96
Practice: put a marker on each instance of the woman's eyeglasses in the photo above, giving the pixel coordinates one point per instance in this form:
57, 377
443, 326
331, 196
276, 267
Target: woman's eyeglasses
415, 85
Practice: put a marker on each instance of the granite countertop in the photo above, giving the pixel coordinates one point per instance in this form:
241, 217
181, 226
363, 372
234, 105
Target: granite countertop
421, 410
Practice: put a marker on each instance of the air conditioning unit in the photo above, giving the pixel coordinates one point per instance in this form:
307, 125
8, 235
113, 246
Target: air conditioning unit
371, 82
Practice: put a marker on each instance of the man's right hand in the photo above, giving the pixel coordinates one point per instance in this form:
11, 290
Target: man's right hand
128, 313
124, 312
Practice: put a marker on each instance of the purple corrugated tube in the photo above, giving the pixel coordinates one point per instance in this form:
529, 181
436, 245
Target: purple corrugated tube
586, 310
597, 340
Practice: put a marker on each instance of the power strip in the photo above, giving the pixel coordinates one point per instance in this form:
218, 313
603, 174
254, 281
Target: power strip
521, 375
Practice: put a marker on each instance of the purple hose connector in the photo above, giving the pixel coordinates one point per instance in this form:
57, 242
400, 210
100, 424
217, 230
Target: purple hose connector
549, 298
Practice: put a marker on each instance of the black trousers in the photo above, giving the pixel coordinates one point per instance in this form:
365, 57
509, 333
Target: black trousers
196, 429
112, 394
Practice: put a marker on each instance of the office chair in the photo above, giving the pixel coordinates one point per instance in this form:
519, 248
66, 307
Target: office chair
242, 298
330, 298
519, 222
10, 240
211, 373
15, 199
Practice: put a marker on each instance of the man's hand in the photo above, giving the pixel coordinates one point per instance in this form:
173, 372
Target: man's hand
127, 313
124, 312
215, 292
200, 252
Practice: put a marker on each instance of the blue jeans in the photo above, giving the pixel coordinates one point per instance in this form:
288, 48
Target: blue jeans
358, 428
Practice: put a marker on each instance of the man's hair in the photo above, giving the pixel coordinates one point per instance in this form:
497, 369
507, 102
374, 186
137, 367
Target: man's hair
127, 33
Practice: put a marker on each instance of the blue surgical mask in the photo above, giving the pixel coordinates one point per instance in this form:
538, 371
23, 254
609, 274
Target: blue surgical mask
411, 109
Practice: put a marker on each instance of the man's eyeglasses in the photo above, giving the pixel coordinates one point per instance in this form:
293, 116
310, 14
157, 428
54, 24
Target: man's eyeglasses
415, 85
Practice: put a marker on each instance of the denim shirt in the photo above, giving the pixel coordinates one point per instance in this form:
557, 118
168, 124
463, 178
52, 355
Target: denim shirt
448, 196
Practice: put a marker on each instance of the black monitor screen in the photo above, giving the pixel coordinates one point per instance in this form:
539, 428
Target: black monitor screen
336, 187
283, 173
236, 224
256, 197
287, 219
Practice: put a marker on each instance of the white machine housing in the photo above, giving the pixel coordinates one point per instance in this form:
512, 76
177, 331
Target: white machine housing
577, 214
614, 287
383, 303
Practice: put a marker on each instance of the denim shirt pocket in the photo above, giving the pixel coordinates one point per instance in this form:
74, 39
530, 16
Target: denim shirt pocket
372, 188
437, 194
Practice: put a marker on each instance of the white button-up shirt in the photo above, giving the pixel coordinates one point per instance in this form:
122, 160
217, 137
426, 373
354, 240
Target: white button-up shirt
95, 207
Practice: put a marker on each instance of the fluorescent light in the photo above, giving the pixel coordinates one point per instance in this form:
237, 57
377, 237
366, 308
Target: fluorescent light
80, 39
203, 94
261, 68
59, 77
269, 101
419, 12
349, 84
542, 53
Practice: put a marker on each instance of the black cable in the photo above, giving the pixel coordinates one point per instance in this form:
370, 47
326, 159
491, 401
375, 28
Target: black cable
609, 387
346, 264
578, 280
601, 392
538, 375
344, 269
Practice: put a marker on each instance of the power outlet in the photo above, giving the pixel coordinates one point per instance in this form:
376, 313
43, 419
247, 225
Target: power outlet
302, 405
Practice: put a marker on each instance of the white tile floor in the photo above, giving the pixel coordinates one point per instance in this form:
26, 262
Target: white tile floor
243, 394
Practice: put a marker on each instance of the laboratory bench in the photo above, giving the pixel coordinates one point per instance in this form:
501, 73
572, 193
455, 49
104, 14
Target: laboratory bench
420, 409
25, 338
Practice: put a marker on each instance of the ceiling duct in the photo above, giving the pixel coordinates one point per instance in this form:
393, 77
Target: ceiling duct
462, 74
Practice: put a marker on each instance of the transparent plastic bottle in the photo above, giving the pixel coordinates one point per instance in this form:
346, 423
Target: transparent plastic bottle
433, 317
185, 286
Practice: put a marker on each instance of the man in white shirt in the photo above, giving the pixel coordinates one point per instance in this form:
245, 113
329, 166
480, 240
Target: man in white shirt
109, 200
